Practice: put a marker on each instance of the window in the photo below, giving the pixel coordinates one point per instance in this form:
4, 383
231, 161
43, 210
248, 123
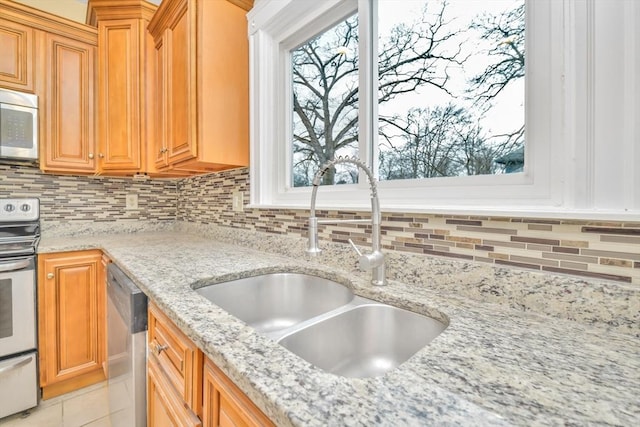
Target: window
444, 131
325, 87
451, 88
450, 92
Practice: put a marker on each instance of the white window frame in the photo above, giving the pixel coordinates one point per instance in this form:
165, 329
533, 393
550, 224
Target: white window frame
568, 170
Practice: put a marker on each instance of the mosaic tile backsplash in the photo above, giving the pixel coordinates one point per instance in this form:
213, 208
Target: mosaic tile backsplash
596, 249
65, 199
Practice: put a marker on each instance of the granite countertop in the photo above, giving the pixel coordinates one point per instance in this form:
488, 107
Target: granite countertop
491, 366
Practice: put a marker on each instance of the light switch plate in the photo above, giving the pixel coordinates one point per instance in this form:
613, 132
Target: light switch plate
238, 203
131, 201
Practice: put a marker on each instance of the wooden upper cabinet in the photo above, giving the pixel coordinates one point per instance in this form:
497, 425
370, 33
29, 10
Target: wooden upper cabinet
203, 103
162, 129
180, 145
126, 80
71, 321
54, 58
17, 55
119, 95
67, 124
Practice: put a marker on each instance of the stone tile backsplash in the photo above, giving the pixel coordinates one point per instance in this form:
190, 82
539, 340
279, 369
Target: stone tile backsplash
595, 249
90, 199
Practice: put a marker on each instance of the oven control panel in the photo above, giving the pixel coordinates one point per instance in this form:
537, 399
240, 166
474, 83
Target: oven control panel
18, 210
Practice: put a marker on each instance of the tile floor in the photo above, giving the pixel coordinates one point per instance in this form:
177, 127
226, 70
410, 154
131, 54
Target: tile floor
88, 407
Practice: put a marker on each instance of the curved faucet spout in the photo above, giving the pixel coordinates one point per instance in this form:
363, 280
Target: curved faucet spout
373, 261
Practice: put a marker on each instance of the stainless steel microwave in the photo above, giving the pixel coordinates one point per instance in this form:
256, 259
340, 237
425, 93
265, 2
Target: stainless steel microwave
18, 126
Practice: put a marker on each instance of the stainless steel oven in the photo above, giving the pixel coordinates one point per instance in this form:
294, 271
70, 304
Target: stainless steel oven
19, 235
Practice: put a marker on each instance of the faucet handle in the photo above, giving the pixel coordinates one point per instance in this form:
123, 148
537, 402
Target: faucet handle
368, 261
355, 248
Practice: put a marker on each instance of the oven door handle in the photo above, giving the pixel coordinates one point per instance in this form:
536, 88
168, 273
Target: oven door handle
16, 265
16, 365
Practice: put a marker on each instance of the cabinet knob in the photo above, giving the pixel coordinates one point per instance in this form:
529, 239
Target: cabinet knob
101, 155
158, 348
50, 276
164, 150
91, 155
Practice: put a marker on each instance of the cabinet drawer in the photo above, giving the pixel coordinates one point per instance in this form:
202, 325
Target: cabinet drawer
178, 358
164, 406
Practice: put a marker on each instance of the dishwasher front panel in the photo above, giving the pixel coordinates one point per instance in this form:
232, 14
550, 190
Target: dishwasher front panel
126, 349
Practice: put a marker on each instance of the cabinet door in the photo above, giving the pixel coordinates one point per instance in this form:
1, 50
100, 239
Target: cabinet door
120, 70
164, 407
206, 84
224, 405
181, 78
71, 310
161, 115
16, 56
68, 135
104, 263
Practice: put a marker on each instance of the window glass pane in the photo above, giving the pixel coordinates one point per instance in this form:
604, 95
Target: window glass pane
325, 104
451, 91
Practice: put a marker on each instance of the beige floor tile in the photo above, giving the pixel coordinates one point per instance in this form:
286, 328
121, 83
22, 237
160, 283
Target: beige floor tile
121, 419
102, 422
72, 394
120, 396
85, 408
43, 416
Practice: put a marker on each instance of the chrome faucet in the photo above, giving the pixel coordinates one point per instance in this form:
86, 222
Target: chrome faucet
373, 261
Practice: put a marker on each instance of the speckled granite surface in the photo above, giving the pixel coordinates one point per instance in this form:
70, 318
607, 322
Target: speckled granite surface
492, 366
593, 302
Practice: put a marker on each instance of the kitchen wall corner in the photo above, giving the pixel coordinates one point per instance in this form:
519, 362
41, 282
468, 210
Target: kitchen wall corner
90, 202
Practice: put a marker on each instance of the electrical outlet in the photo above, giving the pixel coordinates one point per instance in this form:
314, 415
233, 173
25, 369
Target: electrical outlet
131, 201
238, 203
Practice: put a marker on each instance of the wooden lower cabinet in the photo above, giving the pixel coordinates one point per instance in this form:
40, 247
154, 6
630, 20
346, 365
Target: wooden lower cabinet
164, 405
71, 321
174, 374
224, 404
181, 386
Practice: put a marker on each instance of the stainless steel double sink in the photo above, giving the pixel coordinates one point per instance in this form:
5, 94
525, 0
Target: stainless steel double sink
324, 323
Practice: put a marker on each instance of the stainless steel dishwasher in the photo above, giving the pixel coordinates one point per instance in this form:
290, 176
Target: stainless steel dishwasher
126, 350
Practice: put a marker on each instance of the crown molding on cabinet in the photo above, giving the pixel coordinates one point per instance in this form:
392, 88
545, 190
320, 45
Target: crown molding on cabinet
48, 22
102, 10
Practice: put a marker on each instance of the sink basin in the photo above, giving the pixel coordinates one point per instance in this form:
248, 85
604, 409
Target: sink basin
364, 341
323, 322
272, 302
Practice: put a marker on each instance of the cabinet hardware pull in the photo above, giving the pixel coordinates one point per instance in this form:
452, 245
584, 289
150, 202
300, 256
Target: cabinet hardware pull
50, 276
101, 155
91, 155
158, 348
